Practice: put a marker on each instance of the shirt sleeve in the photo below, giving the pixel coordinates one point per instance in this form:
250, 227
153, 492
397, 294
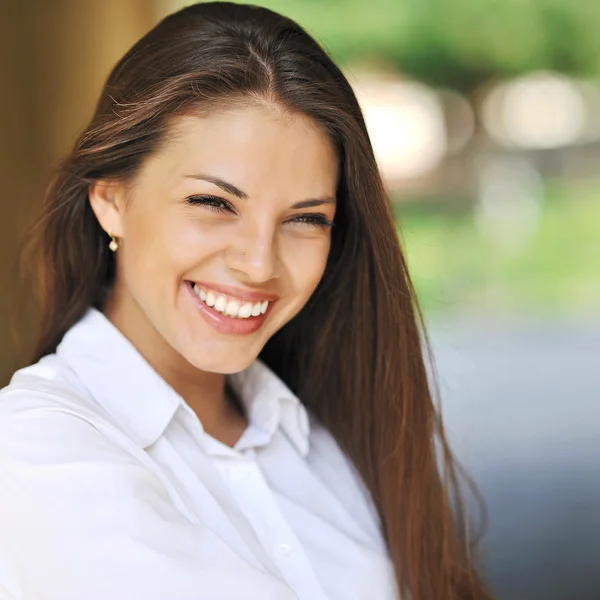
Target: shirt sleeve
80, 517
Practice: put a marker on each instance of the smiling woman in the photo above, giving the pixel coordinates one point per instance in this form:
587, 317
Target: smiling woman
229, 397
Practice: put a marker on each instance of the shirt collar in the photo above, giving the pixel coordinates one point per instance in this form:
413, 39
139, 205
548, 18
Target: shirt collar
143, 404
270, 403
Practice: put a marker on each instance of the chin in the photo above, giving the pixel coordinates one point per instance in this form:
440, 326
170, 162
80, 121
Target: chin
225, 362
226, 366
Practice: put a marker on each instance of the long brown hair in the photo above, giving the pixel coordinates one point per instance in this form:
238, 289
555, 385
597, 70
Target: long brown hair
355, 353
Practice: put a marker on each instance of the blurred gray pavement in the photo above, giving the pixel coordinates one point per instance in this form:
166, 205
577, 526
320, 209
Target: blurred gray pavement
521, 403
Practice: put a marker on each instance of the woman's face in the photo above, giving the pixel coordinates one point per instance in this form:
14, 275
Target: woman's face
223, 235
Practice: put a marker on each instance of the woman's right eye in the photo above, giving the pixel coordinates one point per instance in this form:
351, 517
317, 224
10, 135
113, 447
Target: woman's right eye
212, 202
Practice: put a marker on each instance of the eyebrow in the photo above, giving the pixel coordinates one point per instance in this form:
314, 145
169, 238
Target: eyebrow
234, 191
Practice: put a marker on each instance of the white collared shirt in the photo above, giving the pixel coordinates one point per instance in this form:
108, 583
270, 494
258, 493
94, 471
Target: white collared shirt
111, 490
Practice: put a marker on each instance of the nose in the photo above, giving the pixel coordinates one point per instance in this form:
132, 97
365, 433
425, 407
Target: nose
254, 254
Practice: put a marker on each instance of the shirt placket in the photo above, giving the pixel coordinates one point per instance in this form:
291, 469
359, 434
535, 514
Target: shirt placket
255, 498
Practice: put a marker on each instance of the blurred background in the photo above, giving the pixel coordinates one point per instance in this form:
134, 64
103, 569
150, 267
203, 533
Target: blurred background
485, 119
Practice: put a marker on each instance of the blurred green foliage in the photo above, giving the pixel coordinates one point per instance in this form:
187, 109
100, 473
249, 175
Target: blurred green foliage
456, 43
457, 270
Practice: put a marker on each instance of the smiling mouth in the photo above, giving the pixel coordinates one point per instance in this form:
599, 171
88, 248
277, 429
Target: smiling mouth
232, 307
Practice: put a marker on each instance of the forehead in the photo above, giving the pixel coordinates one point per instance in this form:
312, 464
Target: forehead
258, 148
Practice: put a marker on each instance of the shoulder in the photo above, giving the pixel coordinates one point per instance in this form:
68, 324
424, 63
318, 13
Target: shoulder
45, 383
70, 481
46, 392
46, 420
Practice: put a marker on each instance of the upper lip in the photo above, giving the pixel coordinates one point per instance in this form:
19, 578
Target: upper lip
242, 294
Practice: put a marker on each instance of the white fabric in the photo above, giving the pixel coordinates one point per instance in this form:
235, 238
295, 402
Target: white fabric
111, 490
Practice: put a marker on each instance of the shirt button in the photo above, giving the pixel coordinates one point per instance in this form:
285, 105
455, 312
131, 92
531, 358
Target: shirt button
284, 549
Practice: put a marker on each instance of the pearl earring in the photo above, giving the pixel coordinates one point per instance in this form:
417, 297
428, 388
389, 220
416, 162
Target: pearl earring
114, 245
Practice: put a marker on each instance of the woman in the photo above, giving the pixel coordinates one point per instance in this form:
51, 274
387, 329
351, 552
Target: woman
230, 399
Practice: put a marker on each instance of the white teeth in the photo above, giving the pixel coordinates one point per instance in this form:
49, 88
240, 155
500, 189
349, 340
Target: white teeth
232, 308
200, 293
245, 311
220, 304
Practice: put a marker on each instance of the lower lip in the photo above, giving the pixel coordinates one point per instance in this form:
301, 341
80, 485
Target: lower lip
224, 324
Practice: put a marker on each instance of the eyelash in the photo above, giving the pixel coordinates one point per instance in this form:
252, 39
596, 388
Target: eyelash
220, 205
212, 202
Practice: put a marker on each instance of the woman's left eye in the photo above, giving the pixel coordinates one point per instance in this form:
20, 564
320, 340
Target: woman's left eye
317, 220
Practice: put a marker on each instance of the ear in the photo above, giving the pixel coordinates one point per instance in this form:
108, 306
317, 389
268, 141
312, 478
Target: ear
107, 199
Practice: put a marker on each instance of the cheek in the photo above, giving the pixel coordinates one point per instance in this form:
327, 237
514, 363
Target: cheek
307, 266
164, 246
194, 243
152, 255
